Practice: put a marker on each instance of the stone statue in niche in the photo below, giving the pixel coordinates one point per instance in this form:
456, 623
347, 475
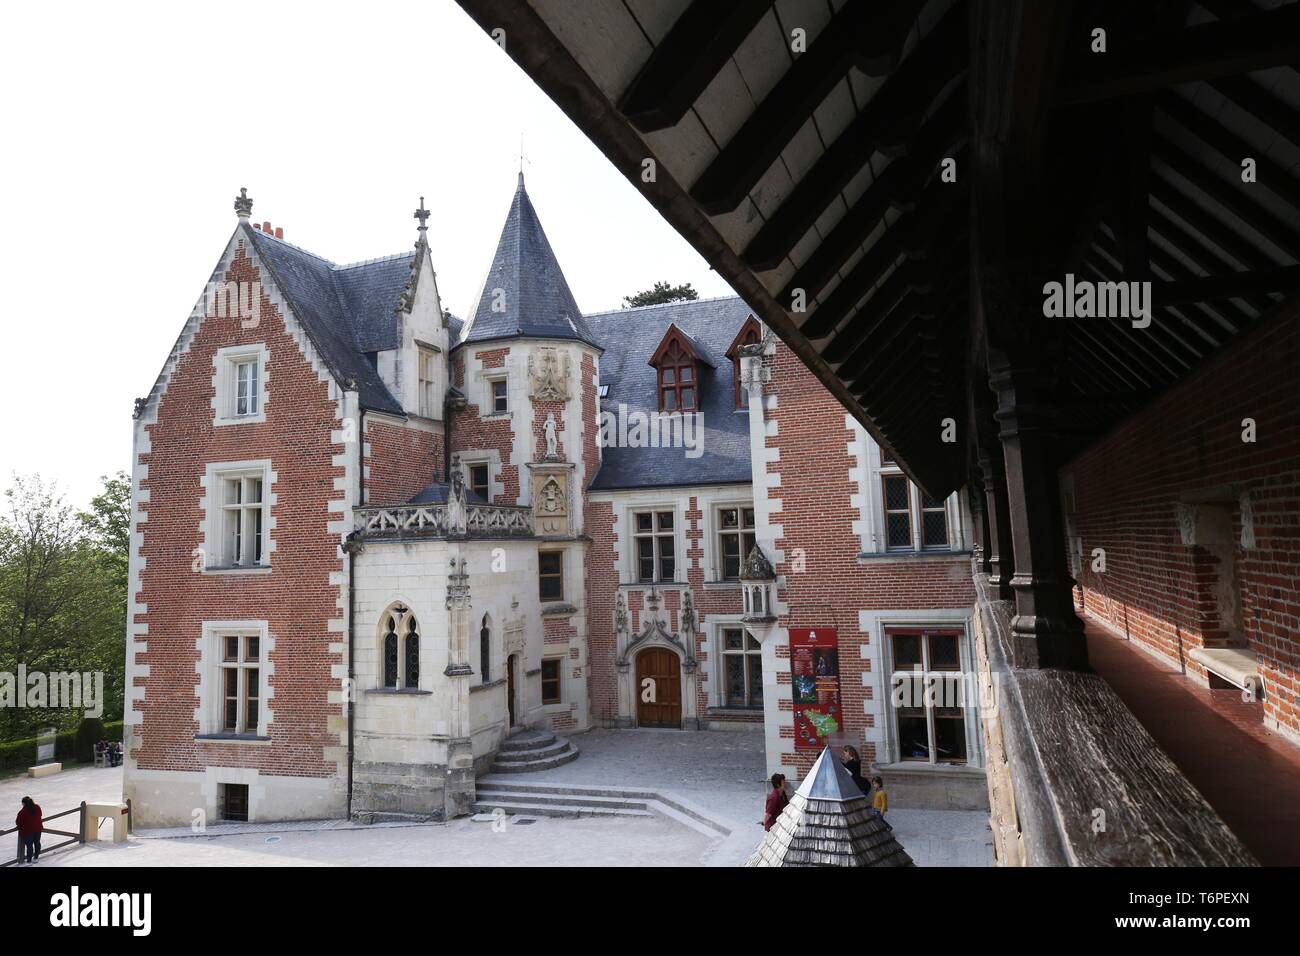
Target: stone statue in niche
552, 445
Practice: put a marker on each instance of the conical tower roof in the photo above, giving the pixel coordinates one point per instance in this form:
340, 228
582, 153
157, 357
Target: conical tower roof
829, 822
525, 293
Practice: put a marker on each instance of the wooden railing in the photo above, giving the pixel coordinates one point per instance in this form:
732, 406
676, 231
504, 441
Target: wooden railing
1074, 779
439, 521
78, 837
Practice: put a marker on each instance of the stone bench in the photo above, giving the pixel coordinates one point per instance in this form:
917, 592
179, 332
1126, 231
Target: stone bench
1236, 665
44, 770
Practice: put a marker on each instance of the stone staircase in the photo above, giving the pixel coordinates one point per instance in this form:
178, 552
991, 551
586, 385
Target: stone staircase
571, 800
529, 750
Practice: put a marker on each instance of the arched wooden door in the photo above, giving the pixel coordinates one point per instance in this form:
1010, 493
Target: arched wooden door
658, 689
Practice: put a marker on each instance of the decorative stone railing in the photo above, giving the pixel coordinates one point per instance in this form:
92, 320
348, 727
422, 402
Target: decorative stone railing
438, 521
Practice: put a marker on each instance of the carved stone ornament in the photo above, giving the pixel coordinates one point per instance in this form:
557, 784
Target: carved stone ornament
688, 623
757, 567
1247, 522
458, 585
549, 376
620, 614
1186, 523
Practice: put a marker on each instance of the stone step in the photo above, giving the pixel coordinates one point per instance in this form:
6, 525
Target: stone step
672, 807
528, 740
559, 799
525, 808
559, 759
552, 749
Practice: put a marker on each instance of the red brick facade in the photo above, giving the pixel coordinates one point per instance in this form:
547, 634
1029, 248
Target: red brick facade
401, 460
1186, 447
296, 597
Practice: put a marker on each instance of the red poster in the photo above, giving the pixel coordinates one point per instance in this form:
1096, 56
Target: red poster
815, 675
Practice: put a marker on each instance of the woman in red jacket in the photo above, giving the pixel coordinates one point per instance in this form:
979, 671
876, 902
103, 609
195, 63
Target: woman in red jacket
30, 828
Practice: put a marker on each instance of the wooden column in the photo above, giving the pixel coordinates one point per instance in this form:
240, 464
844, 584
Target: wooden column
1045, 630
998, 548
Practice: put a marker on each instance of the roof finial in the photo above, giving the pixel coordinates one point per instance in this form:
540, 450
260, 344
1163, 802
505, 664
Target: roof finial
521, 160
243, 204
422, 214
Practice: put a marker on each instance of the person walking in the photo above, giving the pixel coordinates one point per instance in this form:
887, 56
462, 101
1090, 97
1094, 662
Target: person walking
776, 801
853, 764
30, 828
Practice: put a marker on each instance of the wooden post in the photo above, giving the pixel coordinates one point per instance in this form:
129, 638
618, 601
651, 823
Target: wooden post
82, 817
1045, 631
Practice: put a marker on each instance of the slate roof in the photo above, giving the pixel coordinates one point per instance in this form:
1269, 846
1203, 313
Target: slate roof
345, 310
536, 298
436, 494
629, 338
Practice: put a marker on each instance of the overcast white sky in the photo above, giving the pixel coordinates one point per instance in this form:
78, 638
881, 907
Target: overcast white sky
129, 127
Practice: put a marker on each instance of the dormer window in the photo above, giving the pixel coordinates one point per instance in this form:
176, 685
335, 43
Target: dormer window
678, 386
751, 333
678, 360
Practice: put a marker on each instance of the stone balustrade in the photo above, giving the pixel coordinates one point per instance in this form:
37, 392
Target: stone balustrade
439, 521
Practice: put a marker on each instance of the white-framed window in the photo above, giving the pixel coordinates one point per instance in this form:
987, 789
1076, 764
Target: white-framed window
552, 680
742, 668
238, 508
735, 539
654, 549
498, 395
247, 390
242, 519
927, 694
427, 379
240, 384
934, 523
239, 681
896, 491
478, 479
399, 648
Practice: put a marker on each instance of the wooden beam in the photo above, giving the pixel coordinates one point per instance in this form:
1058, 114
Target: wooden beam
822, 184
1241, 203
914, 237
1281, 117
1234, 285
684, 63
1203, 52
898, 187
757, 144
1272, 175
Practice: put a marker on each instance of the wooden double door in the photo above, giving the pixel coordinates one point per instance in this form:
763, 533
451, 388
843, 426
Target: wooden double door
658, 688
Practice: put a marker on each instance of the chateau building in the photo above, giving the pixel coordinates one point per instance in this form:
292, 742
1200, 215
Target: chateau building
370, 541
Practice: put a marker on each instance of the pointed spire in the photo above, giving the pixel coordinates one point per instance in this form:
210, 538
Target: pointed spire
243, 204
525, 293
829, 780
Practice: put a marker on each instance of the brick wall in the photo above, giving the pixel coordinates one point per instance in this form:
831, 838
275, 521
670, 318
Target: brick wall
1127, 490
824, 583
401, 461
296, 598
471, 432
602, 587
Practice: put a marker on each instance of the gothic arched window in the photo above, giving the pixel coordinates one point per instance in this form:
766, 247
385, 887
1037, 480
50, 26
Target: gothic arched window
485, 650
401, 649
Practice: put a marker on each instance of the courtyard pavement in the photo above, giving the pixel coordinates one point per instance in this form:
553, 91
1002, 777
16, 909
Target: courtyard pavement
719, 774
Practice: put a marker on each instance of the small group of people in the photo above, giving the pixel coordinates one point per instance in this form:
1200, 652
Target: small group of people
777, 799
110, 752
30, 828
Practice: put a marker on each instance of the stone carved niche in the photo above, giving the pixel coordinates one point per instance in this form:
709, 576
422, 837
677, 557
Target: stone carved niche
548, 376
551, 511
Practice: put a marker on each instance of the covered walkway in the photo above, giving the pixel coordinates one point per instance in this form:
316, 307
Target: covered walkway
1248, 774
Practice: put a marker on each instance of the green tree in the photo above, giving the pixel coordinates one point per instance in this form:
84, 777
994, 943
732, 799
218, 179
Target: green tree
661, 293
62, 595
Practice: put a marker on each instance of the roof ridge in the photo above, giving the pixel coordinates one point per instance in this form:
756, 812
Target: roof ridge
366, 262
661, 305
266, 235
